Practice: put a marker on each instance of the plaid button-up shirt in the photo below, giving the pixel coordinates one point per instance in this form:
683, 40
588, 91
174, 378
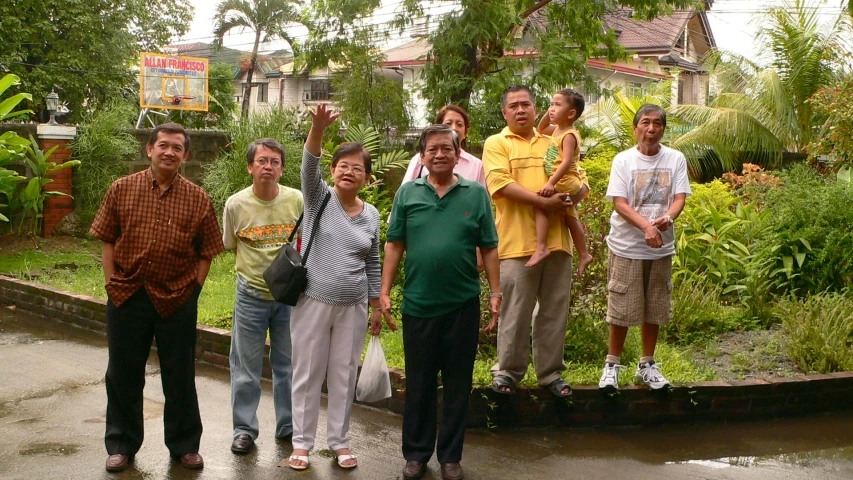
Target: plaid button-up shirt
159, 238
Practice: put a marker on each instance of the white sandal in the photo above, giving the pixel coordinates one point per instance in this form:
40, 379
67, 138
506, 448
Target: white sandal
343, 458
298, 458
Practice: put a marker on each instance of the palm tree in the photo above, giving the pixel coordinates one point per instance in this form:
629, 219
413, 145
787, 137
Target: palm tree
267, 18
764, 110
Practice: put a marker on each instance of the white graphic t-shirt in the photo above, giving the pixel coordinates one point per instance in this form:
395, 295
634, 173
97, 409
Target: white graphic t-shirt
650, 185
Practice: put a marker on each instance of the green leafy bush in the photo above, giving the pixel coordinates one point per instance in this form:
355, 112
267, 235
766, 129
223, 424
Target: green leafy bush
714, 193
597, 165
820, 328
810, 238
227, 175
102, 146
698, 314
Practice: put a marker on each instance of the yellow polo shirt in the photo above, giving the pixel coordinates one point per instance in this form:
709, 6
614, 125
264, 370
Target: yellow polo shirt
509, 158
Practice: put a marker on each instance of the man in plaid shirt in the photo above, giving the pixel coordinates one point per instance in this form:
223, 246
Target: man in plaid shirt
160, 235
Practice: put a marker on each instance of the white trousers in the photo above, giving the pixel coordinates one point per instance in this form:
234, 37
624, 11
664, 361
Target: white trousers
327, 343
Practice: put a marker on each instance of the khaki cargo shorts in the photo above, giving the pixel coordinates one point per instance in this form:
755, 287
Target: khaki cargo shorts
639, 291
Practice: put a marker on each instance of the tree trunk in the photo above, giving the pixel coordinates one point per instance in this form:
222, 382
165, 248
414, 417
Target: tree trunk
247, 92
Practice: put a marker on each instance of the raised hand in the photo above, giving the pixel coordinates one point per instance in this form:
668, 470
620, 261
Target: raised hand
323, 117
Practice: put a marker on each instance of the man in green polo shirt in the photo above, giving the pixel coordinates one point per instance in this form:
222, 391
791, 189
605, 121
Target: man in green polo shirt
439, 221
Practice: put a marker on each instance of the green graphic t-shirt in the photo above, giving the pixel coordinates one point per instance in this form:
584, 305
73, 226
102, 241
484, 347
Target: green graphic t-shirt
258, 229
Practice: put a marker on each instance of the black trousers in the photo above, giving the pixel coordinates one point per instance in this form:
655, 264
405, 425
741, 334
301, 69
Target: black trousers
446, 344
130, 329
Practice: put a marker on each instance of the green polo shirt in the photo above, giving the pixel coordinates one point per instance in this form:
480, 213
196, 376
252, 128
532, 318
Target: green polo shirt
441, 237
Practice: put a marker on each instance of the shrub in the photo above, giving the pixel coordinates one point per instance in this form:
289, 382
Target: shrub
103, 146
753, 184
597, 165
714, 193
697, 312
227, 175
810, 239
820, 328
586, 337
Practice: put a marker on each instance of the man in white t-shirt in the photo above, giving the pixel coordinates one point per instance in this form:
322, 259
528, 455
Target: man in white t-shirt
648, 188
257, 222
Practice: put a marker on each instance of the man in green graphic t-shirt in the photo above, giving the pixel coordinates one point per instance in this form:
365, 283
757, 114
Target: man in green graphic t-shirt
257, 222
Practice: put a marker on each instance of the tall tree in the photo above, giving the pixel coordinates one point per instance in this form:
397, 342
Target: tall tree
483, 43
83, 48
267, 18
553, 38
765, 109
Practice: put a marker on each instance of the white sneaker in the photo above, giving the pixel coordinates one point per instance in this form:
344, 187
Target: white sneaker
610, 377
649, 374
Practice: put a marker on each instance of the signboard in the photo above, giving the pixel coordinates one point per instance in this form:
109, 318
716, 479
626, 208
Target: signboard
173, 83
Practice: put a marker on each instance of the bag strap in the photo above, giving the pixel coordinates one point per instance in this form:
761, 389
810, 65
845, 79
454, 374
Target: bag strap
295, 228
316, 226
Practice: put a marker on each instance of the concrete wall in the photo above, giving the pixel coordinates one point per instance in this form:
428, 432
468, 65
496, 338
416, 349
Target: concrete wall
205, 146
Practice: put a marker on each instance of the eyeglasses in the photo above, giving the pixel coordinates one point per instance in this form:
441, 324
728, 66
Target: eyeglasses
357, 169
263, 161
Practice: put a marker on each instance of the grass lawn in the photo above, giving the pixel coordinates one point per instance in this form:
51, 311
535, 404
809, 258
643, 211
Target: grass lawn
74, 265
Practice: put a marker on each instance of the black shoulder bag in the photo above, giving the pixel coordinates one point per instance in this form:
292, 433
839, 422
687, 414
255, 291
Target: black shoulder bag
286, 277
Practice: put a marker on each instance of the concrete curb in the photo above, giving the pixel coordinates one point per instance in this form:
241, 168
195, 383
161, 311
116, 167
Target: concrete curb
704, 401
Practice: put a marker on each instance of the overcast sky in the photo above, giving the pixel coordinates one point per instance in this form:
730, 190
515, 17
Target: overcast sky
732, 23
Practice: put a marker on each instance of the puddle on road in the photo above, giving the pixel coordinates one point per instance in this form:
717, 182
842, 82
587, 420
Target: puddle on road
50, 448
793, 442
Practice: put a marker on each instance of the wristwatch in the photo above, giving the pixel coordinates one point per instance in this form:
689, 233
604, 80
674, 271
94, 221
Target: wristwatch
496, 295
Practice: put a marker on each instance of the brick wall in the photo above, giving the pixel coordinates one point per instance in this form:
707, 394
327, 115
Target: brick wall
57, 207
704, 401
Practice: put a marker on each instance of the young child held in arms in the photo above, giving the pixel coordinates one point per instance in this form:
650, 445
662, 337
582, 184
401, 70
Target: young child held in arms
561, 159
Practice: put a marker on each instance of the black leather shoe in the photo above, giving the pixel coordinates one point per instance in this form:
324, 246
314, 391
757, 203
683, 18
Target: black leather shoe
451, 471
414, 470
242, 444
118, 462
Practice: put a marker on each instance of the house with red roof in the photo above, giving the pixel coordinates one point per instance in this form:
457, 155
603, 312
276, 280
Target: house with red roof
668, 47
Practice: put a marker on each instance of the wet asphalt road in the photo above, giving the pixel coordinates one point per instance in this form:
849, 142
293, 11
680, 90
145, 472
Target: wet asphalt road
52, 404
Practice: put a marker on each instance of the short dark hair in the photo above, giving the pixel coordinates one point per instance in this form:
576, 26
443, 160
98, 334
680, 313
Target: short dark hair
575, 98
267, 142
349, 148
453, 108
649, 108
170, 128
516, 88
436, 130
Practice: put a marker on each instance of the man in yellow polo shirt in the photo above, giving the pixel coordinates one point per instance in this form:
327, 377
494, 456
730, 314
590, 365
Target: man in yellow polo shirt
514, 164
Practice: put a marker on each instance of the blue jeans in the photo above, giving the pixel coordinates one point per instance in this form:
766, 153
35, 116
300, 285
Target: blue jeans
252, 318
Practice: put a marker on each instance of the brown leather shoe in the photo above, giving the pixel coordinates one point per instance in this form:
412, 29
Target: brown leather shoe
118, 462
242, 444
414, 470
451, 471
192, 461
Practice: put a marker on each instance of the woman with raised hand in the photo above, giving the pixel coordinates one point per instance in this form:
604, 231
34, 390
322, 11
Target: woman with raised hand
328, 324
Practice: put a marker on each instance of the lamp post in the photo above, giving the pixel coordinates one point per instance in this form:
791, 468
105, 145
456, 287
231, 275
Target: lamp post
52, 101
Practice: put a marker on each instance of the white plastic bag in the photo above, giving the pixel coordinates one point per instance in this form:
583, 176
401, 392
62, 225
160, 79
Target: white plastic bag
373, 383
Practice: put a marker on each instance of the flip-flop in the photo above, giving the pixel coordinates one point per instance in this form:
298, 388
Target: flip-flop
503, 381
556, 387
343, 458
299, 458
